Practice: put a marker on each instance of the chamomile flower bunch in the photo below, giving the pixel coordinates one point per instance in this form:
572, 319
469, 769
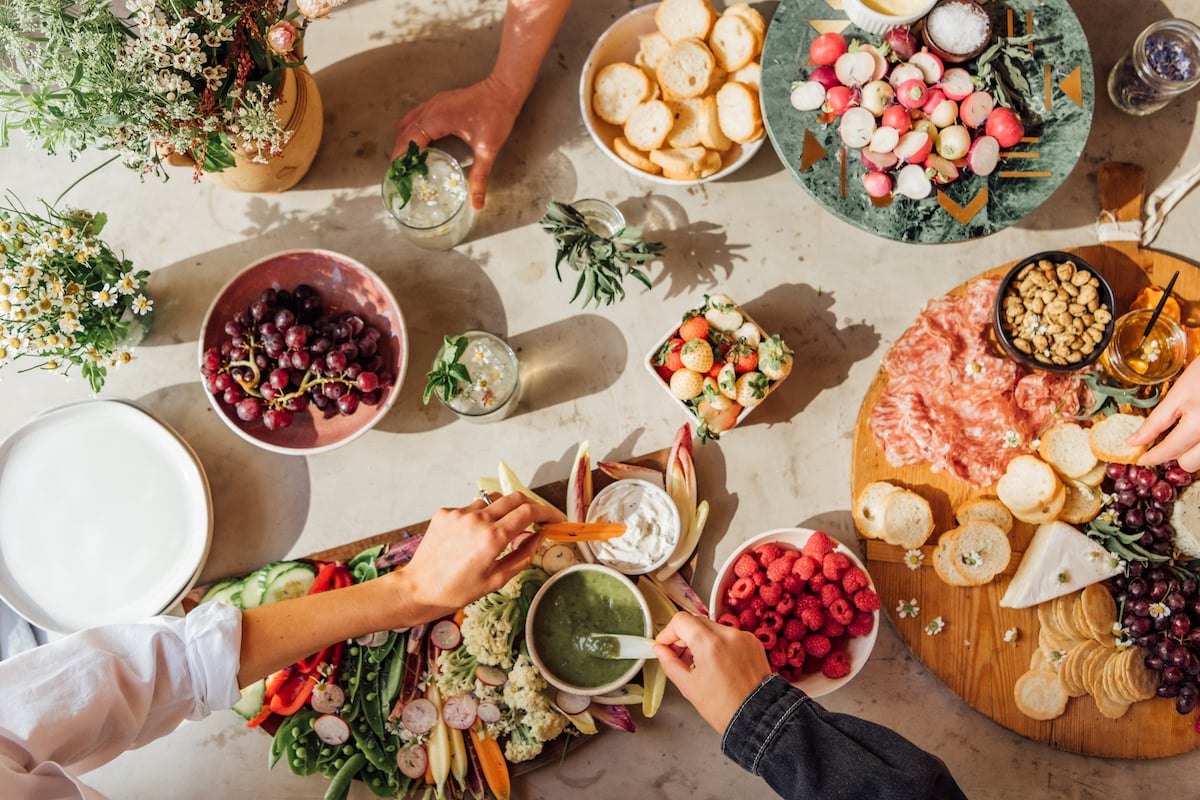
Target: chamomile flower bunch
66, 299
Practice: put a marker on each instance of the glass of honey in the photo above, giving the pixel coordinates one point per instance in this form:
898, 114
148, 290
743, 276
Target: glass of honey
1137, 358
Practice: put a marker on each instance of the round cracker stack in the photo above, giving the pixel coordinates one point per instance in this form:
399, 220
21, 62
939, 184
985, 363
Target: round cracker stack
1040, 695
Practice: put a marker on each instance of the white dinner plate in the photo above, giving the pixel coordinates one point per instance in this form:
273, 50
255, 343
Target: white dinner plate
105, 516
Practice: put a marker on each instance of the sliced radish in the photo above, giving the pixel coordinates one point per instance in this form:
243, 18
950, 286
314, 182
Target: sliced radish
327, 697
331, 729
854, 69
488, 713
897, 117
558, 557
413, 760
491, 676
884, 140
911, 93
572, 703
879, 161
913, 147
875, 96
954, 142
974, 110
912, 182
984, 155
881, 63
944, 171
460, 711
838, 99
1004, 126
902, 73
419, 716
957, 84
807, 96
857, 126
375, 639
930, 65
927, 127
940, 110
445, 635
877, 184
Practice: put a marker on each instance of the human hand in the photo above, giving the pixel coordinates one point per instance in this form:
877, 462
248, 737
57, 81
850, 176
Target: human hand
482, 115
716, 667
1180, 408
459, 559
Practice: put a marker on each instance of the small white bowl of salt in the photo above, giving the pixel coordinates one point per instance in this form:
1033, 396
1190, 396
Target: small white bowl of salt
957, 30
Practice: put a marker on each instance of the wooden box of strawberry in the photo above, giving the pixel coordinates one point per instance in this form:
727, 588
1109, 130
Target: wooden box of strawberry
719, 364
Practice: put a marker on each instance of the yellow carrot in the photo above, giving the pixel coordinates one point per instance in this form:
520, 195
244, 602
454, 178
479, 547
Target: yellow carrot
458, 757
491, 761
438, 745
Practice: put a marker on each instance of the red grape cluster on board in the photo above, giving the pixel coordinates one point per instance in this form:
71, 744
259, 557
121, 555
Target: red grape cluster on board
285, 353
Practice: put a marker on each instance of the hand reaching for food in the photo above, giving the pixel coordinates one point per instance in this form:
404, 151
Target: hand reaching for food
1177, 415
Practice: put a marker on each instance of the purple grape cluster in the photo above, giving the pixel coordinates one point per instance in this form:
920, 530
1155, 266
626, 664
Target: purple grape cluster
1144, 497
285, 353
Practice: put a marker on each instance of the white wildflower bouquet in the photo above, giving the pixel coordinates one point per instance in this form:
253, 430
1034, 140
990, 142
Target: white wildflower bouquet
66, 299
194, 77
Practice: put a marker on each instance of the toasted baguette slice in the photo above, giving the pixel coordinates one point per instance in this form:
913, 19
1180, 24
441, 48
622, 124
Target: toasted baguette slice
981, 552
685, 19
712, 163
1066, 448
1094, 476
942, 560
985, 509
1027, 485
619, 89
685, 132
634, 157
1108, 437
711, 135
751, 75
686, 69
907, 519
733, 42
868, 508
1047, 512
1082, 504
651, 48
750, 16
1185, 519
648, 125
738, 112
682, 163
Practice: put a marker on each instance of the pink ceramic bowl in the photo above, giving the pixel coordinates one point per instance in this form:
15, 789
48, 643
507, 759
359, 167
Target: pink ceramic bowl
343, 284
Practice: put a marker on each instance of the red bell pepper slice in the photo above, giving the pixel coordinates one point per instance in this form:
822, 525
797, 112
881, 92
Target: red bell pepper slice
293, 694
261, 718
307, 665
324, 577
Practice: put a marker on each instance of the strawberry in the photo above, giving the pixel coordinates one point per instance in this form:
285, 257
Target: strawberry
834, 564
841, 611
727, 380
794, 630
686, 384
743, 357
664, 372
715, 371
854, 579
694, 326
817, 645
771, 593
697, 355
751, 389
835, 665
766, 636
806, 566
766, 553
728, 619
745, 566
863, 622
829, 593
668, 354
817, 545
866, 600
774, 358
780, 568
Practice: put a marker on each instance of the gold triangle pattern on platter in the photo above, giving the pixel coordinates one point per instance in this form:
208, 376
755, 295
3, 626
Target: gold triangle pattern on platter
829, 25
1072, 86
812, 151
964, 214
836, 5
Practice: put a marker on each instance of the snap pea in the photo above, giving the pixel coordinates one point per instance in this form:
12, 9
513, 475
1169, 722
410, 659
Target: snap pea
353, 680
370, 746
339, 786
293, 728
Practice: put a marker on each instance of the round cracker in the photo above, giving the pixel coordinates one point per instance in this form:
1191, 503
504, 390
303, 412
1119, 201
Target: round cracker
1099, 611
1040, 695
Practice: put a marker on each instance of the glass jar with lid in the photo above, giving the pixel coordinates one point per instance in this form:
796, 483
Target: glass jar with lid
1164, 62
1137, 358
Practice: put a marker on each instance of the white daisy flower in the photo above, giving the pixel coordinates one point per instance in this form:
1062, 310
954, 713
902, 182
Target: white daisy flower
934, 626
914, 558
908, 608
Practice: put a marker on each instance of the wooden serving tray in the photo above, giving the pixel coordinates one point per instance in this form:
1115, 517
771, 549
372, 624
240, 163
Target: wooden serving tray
970, 655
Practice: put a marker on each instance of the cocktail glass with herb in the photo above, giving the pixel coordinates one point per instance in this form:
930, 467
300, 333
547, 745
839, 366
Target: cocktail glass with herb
426, 192
476, 375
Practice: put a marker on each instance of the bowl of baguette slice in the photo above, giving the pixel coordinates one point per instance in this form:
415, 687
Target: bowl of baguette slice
670, 91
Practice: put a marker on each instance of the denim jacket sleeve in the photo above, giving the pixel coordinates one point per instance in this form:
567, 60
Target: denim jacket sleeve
803, 751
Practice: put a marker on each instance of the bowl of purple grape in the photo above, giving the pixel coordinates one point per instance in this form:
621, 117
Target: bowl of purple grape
303, 351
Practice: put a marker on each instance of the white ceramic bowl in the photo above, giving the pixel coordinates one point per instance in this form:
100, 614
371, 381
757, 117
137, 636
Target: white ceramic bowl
858, 648
535, 656
635, 499
878, 23
620, 43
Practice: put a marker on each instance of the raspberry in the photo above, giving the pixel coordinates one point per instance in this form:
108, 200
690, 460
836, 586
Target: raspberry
794, 630
728, 619
806, 567
759, 578
817, 546
770, 593
745, 566
757, 605
834, 564
807, 603
766, 553
741, 589
794, 584
817, 645
766, 636
771, 619
813, 618
862, 624
816, 582
835, 665
795, 654
829, 593
786, 604
833, 629
788, 674
780, 568
841, 611
735, 604
866, 600
777, 656
854, 579
747, 619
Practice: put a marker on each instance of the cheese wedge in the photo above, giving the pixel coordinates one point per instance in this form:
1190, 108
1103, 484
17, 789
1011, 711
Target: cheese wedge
1059, 560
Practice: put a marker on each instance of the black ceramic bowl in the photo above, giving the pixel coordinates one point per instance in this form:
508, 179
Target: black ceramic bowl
1039, 358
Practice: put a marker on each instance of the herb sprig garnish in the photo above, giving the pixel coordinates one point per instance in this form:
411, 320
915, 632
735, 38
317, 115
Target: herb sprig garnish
400, 173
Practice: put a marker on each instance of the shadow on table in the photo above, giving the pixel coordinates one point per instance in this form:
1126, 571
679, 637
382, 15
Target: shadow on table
251, 527
824, 353
839, 524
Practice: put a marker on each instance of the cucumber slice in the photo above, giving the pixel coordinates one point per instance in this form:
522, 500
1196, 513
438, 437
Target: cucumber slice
223, 589
251, 702
285, 583
252, 589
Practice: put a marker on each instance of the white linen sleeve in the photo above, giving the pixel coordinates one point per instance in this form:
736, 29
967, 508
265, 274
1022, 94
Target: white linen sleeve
79, 702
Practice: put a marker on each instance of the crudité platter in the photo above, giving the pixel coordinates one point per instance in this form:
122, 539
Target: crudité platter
385, 701
970, 654
1060, 102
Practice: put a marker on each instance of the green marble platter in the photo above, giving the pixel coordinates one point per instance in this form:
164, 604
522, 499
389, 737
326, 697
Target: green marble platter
1061, 102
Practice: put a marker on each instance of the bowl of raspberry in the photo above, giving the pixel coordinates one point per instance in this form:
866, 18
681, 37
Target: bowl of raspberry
808, 599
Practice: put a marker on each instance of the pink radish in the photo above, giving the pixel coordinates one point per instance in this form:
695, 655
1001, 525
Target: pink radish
854, 69
914, 147
940, 110
911, 94
331, 729
957, 84
488, 713
927, 127
911, 181
826, 48
491, 676
897, 117
419, 716
825, 76
905, 72
875, 96
944, 171
975, 110
881, 63
412, 761
857, 126
902, 42
838, 100
807, 96
954, 141
930, 65
327, 697
877, 184
879, 160
1005, 126
445, 635
984, 155
459, 712
884, 140
572, 703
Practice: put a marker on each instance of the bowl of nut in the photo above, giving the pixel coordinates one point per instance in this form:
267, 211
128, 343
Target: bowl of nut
1054, 312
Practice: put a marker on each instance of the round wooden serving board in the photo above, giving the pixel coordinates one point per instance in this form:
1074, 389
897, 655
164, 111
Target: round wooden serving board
970, 655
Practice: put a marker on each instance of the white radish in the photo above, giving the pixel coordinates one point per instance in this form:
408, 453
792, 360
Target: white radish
881, 63
856, 127
902, 73
984, 155
912, 182
885, 139
572, 703
875, 96
930, 65
974, 110
419, 716
558, 557
954, 141
944, 171
331, 729
491, 676
927, 127
854, 69
327, 697
913, 147
957, 83
412, 761
445, 635
877, 184
940, 110
880, 160
460, 712
488, 713
807, 96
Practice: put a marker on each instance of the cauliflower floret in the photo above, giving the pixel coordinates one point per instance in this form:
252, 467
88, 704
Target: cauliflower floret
492, 623
533, 720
